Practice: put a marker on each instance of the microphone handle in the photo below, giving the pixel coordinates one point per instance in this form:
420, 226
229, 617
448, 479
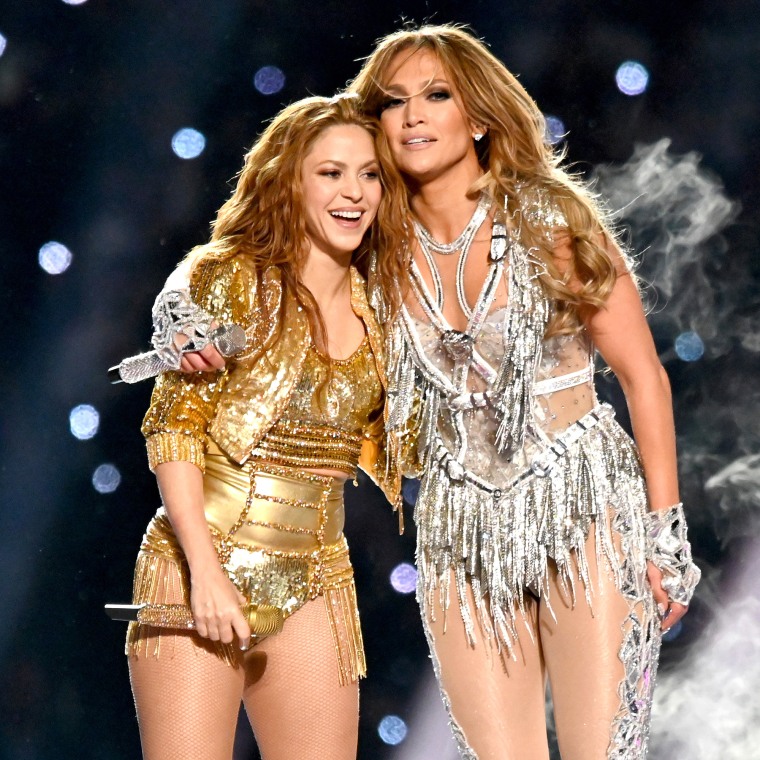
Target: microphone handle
135, 369
263, 619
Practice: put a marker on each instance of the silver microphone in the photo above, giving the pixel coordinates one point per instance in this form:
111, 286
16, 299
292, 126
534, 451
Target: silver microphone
227, 339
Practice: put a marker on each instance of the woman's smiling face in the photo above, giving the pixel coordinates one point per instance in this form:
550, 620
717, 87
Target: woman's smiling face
426, 128
341, 188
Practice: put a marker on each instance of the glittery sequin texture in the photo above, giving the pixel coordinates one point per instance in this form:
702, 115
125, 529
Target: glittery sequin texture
329, 408
279, 402
518, 463
282, 582
671, 552
274, 390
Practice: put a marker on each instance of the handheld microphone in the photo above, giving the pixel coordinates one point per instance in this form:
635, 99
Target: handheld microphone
263, 619
227, 339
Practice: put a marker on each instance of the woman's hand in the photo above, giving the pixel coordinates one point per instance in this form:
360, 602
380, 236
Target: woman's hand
670, 612
216, 605
208, 359
214, 599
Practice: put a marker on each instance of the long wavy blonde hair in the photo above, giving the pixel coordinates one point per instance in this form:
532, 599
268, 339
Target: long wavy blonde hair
264, 218
515, 157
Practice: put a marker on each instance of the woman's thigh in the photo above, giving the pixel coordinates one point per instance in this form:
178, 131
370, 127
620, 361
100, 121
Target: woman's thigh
187, 700
582, 647
293, 697
495, 702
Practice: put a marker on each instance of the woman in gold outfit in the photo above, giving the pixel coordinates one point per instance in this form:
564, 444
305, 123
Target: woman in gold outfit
251, 462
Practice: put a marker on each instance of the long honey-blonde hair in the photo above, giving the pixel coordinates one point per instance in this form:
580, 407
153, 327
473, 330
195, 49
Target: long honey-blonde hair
264, 218
515, 157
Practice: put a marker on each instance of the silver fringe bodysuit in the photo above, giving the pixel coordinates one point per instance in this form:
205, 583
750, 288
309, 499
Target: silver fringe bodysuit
517, 463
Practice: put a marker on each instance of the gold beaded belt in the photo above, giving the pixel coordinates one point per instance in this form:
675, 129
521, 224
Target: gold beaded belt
300, 444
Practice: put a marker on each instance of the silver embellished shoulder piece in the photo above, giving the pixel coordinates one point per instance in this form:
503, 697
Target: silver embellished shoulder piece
540, 208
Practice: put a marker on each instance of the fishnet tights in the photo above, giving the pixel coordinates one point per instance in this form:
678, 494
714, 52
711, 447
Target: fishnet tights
188, 697
499, 704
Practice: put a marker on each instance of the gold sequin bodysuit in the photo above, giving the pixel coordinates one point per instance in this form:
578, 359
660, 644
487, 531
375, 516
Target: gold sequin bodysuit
256, 430
331, 406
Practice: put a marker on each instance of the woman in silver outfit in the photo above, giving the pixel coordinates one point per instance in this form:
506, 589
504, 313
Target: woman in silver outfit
548, 543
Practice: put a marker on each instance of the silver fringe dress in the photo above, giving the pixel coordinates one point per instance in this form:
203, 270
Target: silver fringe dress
517, 463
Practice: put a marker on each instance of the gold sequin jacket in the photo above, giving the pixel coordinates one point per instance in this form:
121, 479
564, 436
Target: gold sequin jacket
236, 407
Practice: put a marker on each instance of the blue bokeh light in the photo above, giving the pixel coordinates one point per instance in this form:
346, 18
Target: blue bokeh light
3, 43
404, 578
392, 730
269, 80
632, 78
84, 421
674, 632
410, 490
54, 257
555, 130
188, 143
74, 2
689, 346
106, 478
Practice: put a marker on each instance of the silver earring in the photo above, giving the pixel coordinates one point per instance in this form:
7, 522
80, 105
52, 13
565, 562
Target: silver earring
478, 136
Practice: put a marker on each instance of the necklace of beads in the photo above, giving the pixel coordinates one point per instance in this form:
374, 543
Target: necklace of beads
465, 238
429, 245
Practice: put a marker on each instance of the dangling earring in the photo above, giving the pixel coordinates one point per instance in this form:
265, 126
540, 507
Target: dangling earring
478, 136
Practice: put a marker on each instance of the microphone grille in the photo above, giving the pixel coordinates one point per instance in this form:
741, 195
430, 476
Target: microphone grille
228, 339
135, 369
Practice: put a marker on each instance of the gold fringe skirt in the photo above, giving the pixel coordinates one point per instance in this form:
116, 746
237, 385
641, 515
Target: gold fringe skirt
278, 532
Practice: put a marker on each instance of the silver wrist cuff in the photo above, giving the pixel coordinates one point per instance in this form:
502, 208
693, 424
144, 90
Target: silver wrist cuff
175, 312
670, 552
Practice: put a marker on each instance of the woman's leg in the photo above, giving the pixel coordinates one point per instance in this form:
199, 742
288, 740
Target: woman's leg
601, 689
296, 705
495, 703
187, 689
187, 700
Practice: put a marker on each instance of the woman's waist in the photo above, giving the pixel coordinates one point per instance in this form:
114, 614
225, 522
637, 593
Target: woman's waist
272, 506
159, 539
477, 454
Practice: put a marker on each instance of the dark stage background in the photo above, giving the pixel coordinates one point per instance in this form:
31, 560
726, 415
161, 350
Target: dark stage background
91, 94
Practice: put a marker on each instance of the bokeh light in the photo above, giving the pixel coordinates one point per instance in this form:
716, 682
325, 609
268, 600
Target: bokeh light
54, 257
269, 80
674, 632
74, 2
188, 143
106, 478
404, 578
410, 489
689, 346
555, 130
84, 421
392, 730
3, 43
632, 78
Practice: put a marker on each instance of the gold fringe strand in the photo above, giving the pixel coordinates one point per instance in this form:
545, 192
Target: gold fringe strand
343, 614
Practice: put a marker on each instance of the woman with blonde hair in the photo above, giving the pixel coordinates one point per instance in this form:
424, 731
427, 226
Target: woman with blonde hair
548, 544
251, 462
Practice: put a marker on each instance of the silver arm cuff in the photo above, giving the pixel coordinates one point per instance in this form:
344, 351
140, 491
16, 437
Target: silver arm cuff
669, 550
175, 312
